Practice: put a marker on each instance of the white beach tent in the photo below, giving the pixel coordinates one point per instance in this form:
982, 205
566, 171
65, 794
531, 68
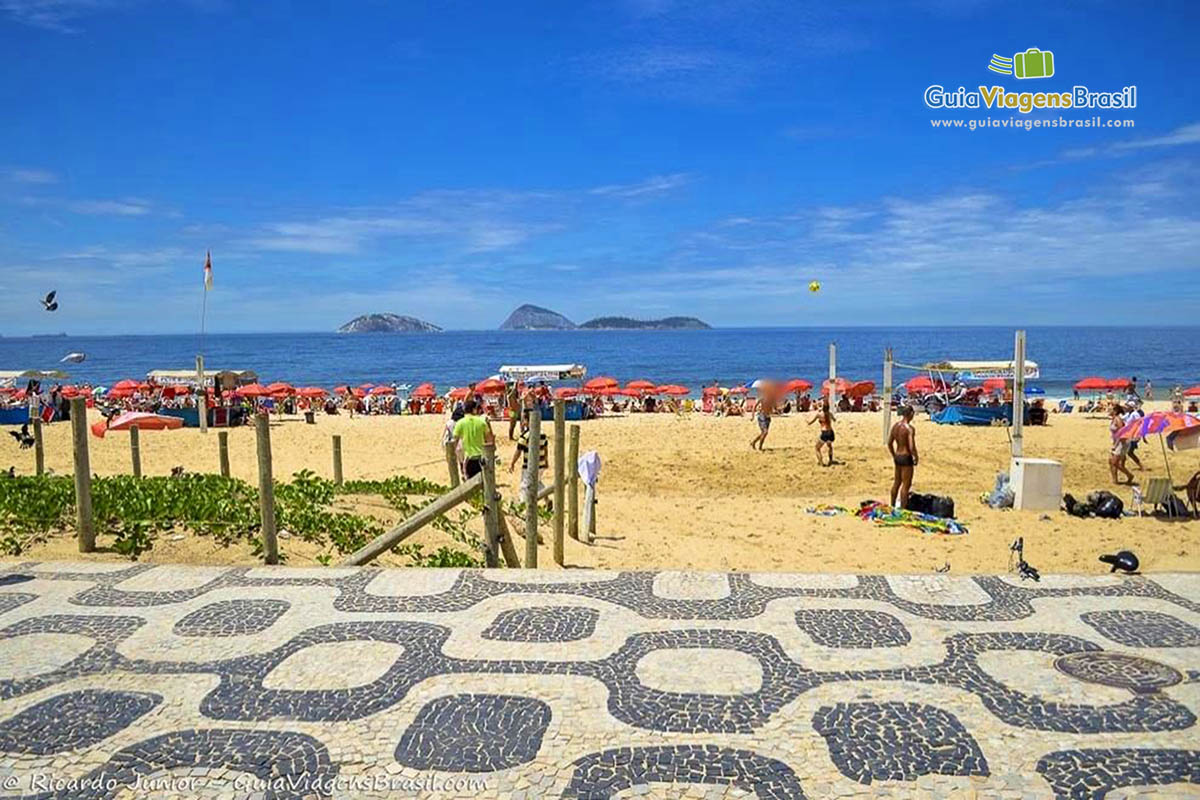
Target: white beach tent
13, 377
187, 377
543, 372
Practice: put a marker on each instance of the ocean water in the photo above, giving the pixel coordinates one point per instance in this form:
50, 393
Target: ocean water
1167, 356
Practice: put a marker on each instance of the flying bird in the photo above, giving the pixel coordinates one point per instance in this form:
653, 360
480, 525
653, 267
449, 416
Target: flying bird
50, 304
23, 437
73, 358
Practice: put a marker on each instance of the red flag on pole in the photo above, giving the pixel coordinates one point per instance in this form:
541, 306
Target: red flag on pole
208, 271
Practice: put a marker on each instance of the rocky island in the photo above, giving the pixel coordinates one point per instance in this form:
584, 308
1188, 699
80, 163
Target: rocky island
665, 324
388, 323
535, 318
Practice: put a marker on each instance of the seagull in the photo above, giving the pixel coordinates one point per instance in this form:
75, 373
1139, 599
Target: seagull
50, 303
73, 358
23, 437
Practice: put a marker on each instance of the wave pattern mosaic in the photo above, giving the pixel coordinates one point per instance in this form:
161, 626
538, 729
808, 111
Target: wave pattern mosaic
127, 681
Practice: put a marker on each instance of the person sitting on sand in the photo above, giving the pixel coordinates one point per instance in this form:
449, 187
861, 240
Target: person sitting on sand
902, 444
843, 403
826, 418
1120, 449
766, 407
473, 431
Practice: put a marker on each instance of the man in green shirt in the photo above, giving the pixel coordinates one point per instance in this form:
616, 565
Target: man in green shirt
474, 431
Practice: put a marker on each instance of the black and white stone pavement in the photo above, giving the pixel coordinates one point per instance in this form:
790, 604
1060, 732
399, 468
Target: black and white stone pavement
121, 681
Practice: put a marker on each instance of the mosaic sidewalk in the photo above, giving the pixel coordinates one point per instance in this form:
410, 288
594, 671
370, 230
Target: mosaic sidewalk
122, 681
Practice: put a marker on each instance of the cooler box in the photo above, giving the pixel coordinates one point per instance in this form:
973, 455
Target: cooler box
1036, 483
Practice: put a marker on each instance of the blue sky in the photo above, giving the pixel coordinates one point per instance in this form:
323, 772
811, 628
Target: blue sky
638, 157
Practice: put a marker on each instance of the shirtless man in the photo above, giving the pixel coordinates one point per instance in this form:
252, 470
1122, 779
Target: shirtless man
766, 407
825, 417
902, 444
512, 399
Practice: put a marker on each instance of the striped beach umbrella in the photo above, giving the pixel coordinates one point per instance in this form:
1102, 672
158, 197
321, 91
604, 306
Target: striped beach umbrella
1163, 423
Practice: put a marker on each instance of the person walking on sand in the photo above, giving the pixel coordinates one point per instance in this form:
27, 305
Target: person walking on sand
523, 450
1120, 448
473, 431
826, 418
512, 400
902, 444
766, 407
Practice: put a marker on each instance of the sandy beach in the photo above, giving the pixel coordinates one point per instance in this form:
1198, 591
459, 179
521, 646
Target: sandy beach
688, 493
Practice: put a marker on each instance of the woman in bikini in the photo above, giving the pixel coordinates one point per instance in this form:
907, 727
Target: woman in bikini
825, 417
1120, 448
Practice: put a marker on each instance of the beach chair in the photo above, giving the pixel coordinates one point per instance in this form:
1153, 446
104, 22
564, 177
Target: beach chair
1191, 491
1156, 493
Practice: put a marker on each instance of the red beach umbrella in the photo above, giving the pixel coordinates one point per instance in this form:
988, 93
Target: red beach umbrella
455, 394
994, 385
566, 392
674, 390
427, 390
709, 391
383, 390
1192, 391
311, 391
597, 384
251, 390
490, 386
843, 386
1092, 383
922, 384
126, 384
797, 385
281, 388
641, 385
860, 389
1119, 383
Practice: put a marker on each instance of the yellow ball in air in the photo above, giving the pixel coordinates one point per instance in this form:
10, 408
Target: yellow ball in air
814, 286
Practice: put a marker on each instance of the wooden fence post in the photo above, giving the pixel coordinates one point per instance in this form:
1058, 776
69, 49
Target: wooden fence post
83, 476
560, 445
573, 485
135, 450
223, 452
266, 489
337, 460
491, 501
452, 463
39, 452
534, 454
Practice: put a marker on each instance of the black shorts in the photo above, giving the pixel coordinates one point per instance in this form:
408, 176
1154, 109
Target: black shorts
473, 466
905, 460
827, 436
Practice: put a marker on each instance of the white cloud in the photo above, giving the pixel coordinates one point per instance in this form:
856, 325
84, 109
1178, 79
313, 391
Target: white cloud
33, 176
655, 185
53, 14
1187, 134
128, 207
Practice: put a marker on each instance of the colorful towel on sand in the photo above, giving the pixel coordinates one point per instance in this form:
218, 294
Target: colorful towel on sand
889, 517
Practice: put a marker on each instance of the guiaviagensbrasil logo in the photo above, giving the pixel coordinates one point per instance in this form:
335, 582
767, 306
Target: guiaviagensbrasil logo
1033, 63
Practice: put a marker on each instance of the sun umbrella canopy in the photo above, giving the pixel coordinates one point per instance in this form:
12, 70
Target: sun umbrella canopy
427, 390
1192, 391
797, 385
252, 390
137, 419
994, 385
126, 384
1092, 383
922, 384
1164, 422
674, 390
383, 390
311, 391
490, 386
641, 385
281, 388
603, 382
1119, 383
566, 392
709, 391
843, 386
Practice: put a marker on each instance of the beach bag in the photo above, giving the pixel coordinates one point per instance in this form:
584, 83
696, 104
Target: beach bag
942, 507
1107, 505
1174, 507
919, 503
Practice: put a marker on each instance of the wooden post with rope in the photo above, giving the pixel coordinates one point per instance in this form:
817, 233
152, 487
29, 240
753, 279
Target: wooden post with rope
452, 464
533, 454
83, 476
573, 485
39, 452
135, 450
491, 501
266, 489
560, 429
337, 460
